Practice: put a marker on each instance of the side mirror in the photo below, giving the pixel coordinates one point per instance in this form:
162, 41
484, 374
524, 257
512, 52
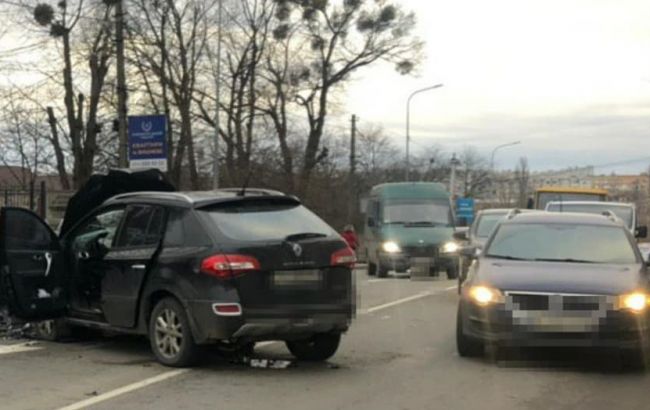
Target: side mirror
460, 235
371, 222
641, 232
470, 251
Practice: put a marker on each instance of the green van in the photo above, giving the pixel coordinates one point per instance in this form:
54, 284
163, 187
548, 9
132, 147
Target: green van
410, 225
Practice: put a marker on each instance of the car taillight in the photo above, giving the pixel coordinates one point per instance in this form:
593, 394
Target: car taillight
344, 257
228, 266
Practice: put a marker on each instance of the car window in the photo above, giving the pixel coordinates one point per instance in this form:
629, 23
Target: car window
143, 226
101, 227
257, 221
487, 223
25, 231
184, 230
562, 242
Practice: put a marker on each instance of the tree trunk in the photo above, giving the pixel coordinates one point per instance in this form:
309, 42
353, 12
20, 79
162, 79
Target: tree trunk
58, 152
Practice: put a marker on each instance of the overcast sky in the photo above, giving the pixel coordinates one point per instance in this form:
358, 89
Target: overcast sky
569, 78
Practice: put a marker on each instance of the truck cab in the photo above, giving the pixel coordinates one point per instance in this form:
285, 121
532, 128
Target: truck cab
410, 226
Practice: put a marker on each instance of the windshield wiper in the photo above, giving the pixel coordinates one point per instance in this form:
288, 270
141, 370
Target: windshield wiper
563, 260
506, 257
306, 235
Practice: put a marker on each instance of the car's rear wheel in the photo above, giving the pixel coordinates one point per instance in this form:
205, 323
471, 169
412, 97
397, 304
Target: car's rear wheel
466, 346
317, 348
170, 335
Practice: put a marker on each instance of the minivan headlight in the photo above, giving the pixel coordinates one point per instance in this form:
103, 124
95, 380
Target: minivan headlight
450, 247
391, 247
636, 302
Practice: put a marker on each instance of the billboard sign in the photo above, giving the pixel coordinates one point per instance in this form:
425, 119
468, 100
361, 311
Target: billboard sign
148, 142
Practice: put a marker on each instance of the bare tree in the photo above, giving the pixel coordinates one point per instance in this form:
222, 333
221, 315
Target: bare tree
522, 177
474, 171
95, 47
169, 41
343, 37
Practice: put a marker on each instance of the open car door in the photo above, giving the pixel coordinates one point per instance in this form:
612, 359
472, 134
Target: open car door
32, 276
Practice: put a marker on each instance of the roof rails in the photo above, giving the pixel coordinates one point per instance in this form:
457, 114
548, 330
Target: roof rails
513, 213
611, 216
155, 194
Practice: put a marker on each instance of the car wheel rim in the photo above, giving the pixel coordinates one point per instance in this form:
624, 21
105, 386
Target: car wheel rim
168, 334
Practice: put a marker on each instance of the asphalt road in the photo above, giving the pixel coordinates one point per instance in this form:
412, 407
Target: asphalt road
399, 354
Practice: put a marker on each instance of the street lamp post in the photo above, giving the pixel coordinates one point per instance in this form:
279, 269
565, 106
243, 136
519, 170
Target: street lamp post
408, 126
494, 151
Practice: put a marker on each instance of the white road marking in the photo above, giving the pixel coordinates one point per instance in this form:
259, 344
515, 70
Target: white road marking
397, 302
451, 288
376, 280
19, 348
125, 389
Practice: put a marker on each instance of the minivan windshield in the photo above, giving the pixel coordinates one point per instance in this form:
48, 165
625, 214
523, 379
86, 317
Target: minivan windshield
625, 213
562, 243
264, 221
425, 212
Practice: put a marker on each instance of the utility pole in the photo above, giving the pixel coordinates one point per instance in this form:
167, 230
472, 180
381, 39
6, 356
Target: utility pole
353, 167
217, 124
452, 180
121, 86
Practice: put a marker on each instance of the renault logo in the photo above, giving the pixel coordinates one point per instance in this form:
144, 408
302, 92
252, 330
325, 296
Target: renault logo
297, 249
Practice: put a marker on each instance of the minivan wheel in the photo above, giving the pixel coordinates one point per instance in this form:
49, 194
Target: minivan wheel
466, 346
318, 348
170, 335
372, 269
382, 272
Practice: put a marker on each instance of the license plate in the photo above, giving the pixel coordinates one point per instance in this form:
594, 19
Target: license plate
562, 324
297, 278
422, 265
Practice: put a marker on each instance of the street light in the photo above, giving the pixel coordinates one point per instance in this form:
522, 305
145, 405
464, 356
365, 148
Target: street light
408, 125
494, 151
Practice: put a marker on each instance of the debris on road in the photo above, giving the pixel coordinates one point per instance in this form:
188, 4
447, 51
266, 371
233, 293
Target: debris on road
269, 364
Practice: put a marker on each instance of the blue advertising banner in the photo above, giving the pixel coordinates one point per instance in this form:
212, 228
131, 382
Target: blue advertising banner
465, 209
148, 142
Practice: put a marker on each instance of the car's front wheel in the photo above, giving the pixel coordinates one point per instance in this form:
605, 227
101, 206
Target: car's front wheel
318, 348
466, 346
170, 335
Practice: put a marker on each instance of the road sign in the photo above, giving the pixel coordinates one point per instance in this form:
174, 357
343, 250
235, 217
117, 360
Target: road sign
148, 142
465, 209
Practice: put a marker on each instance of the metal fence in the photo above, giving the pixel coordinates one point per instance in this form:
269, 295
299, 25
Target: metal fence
33, 198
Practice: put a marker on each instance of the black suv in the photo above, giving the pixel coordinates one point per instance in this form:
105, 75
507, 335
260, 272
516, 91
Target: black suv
186, 269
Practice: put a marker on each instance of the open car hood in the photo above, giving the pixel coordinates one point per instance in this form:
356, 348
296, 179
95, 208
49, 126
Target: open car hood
99, 188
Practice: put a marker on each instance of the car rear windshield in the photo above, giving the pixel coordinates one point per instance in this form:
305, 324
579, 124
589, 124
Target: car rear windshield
487, 223
625, 213
266, 220
562, 243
